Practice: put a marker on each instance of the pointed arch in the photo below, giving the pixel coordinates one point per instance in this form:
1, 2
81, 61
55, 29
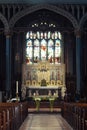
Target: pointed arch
82, 21
5, 22
38, 7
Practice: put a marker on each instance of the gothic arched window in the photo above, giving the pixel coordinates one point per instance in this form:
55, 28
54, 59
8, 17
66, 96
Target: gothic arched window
41, 46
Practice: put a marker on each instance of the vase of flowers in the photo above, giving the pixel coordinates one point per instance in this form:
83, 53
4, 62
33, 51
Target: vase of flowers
37, 101
51, 100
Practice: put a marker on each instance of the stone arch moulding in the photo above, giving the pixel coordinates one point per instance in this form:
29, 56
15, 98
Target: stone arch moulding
38, 7
5, 22
82, 21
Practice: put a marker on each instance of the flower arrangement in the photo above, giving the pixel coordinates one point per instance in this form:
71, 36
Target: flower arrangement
51, 100
37, 101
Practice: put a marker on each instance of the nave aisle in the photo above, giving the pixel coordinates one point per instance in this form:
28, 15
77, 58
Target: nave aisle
45, 122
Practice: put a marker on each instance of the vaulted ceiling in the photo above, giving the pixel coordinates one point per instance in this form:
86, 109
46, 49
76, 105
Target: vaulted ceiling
44, 1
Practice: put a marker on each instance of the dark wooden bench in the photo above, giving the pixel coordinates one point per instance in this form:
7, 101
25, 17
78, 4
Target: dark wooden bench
75, 114
3, 121
13, 115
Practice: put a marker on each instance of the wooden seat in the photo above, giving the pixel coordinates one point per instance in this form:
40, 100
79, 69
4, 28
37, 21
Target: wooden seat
76, 115
12, 115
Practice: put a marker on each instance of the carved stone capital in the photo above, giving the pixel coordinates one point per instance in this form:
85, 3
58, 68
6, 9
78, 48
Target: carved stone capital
8, 33
78, 33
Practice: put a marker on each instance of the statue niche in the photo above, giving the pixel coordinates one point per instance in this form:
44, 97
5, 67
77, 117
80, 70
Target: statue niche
43, 82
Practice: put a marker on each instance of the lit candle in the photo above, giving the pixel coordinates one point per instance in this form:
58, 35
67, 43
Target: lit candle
16, 86
54, 94
34, 94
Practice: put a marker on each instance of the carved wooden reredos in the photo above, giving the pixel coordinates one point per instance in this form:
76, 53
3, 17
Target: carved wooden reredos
43, 74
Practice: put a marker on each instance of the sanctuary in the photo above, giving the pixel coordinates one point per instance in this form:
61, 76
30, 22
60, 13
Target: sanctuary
43, 78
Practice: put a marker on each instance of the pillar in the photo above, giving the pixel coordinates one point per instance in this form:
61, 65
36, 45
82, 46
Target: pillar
78, 61
8, 64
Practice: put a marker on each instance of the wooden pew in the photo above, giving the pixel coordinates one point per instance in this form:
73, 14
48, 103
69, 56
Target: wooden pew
4, 119
84, 118
12, 114
76, 115
17, 112
80, 114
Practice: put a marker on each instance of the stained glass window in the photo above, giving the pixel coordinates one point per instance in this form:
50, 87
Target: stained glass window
43, 46
29, 51
57, 51
36, 50
50, 50
43, 49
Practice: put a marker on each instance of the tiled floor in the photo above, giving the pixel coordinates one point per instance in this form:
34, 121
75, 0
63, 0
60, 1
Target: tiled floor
45, 122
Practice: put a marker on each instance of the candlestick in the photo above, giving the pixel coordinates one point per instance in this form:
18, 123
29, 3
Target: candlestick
16, 86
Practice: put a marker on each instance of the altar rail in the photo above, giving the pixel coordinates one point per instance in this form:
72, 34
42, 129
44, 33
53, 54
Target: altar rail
12, 115
75, 114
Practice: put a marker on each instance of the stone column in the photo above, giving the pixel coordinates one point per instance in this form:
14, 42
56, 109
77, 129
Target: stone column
78, 60
8, 63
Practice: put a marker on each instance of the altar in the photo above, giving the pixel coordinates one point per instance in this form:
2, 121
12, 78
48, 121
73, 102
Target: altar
43, 78
44, 91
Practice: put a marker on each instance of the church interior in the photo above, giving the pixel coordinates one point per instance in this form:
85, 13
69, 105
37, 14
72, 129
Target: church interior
43, 63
